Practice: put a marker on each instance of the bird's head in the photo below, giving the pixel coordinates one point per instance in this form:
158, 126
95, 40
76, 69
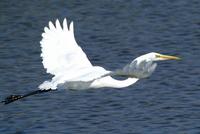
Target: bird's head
156, 57
145, 65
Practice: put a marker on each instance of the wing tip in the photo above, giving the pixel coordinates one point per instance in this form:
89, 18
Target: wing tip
65, 25
71, 26
57, 22
51, 25
57, 25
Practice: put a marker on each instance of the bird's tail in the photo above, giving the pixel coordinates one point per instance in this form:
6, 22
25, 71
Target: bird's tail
13, 98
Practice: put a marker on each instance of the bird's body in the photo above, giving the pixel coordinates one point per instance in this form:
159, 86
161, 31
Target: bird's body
71, 69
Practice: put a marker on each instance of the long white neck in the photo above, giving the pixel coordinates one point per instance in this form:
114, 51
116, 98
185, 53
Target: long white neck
110, 82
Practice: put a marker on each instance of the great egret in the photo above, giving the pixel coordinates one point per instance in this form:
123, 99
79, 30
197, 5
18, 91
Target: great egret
64, 58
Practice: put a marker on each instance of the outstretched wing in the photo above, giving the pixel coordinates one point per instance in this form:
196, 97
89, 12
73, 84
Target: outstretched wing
60, 52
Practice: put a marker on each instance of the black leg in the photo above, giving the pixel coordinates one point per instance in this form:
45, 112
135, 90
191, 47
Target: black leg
13, 98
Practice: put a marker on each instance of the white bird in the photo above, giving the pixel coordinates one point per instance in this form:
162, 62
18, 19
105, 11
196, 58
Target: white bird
71, 69
64, 58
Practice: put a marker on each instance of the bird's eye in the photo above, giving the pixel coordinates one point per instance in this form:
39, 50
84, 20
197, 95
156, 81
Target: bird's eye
158, 56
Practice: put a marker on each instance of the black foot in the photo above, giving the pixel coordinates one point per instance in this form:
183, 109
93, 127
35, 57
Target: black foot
12, 98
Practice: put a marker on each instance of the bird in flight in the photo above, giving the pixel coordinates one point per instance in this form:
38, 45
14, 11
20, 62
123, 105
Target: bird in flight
71, 69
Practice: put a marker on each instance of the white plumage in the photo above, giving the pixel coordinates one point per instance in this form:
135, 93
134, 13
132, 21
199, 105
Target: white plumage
60, 52
64, 58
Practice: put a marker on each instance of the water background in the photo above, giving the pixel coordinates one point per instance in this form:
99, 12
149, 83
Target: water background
112, 33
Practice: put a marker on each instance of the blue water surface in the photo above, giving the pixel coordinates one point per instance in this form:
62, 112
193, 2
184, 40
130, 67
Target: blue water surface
112, 33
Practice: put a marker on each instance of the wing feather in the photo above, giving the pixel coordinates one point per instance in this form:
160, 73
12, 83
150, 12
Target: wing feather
60, 52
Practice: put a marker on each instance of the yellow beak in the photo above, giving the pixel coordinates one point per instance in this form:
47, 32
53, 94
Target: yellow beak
167, 57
